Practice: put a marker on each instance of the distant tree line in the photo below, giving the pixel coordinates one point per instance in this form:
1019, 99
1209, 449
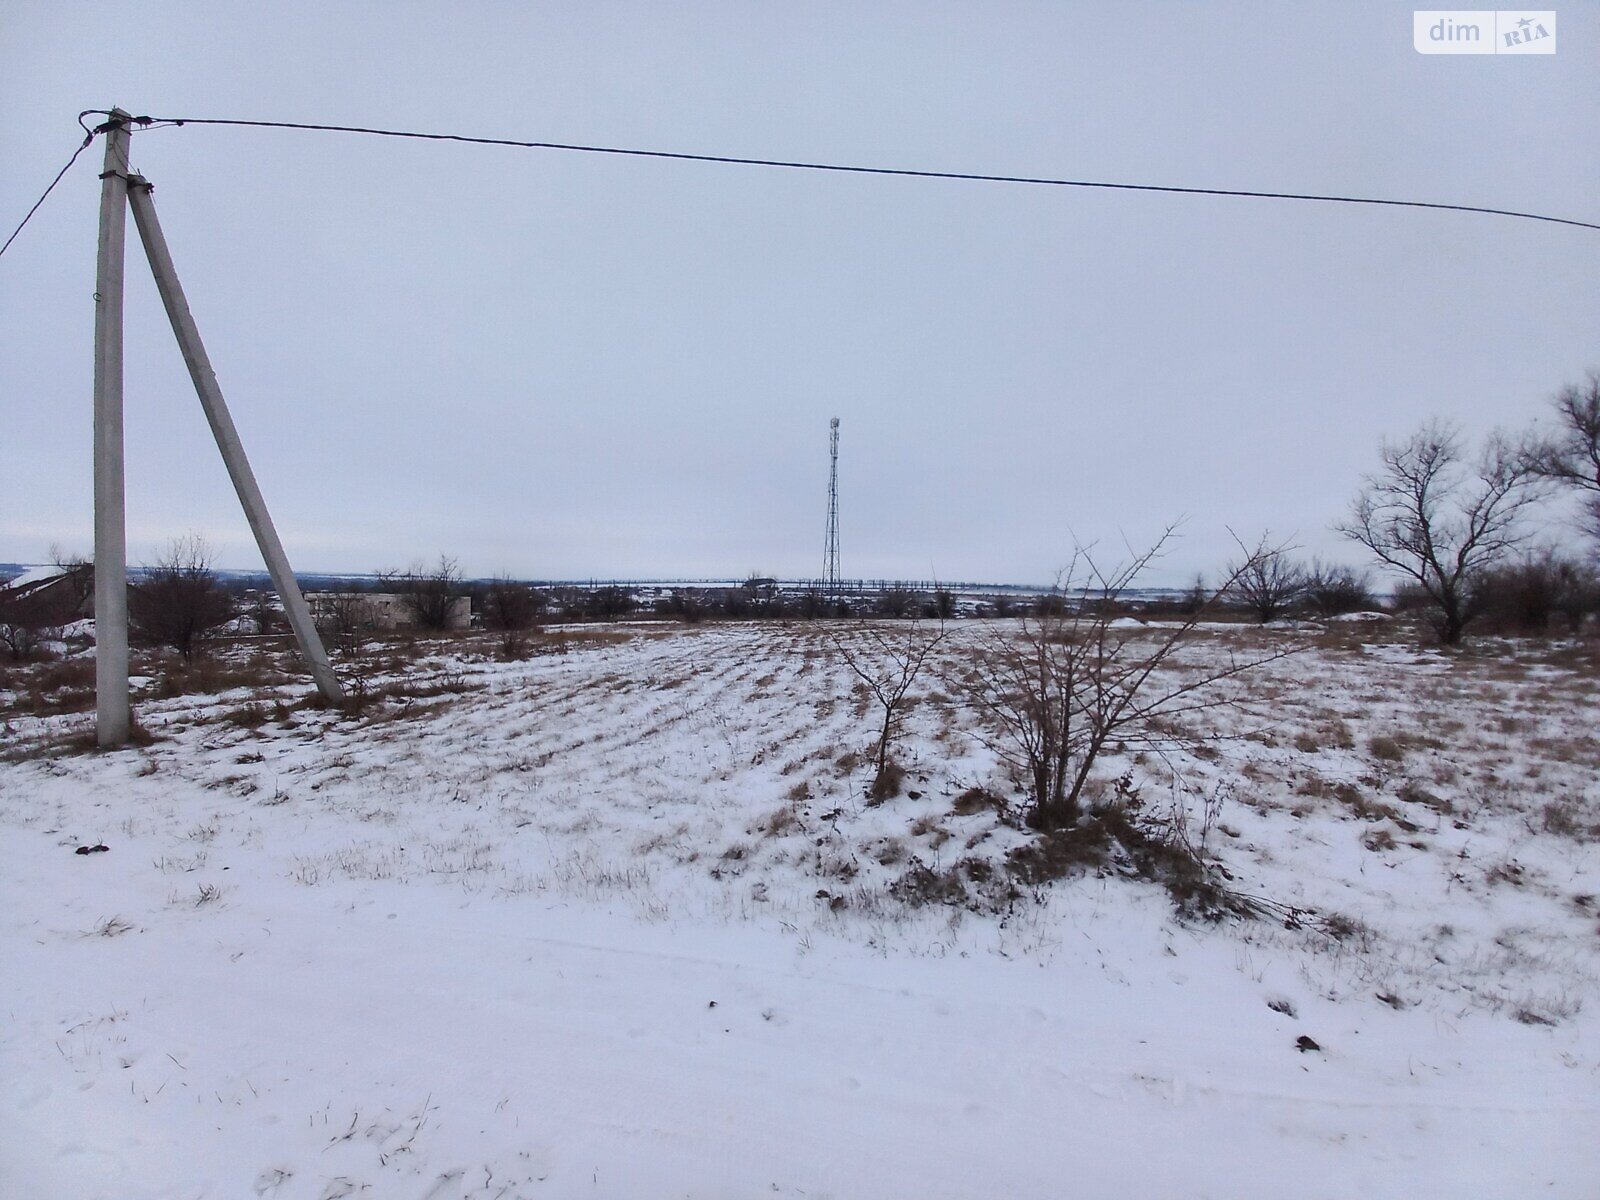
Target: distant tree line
1457, 528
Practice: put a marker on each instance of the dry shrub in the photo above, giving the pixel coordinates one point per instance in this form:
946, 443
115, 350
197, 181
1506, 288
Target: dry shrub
887, 666
1314, 785
1062, 852
972, 883
211, 675
1566, 818
80, 741
1386, 749
51, 688
248, 716
886, 784
1331, 589
1361, 806
67, 674
1347, 929
362, 695
1412, 792
1567, 749
1118, 837
977, 800
922, 885
1379, 839
836, 864
1510, 871
1069, 683
892, 851
781, 822
1581, 657
449, 683
1537, 592
560, 641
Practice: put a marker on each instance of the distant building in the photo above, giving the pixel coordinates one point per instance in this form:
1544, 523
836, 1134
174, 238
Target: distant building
379, 610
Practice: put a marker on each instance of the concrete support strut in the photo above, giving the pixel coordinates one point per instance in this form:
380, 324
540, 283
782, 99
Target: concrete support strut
227, 437
112, 712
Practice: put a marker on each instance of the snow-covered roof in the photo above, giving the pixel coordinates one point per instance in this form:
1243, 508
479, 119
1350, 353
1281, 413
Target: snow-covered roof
35, 575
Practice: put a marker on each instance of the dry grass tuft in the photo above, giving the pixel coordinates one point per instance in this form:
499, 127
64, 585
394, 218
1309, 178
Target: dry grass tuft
110, 927
1386, 749
1568, 818
782, 822
977, 800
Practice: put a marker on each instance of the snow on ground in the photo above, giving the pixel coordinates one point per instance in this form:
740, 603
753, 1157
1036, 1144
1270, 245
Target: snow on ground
616, 921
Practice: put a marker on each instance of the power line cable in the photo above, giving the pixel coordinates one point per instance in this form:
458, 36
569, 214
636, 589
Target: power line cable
59, 176
856, 170
797, 165
89, 134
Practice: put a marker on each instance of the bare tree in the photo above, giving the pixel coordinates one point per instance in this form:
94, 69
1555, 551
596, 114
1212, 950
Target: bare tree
179, 601
344, 619
1053, 603
896, 600
813, 604
26, 623
1572, 457
512, 608
1073, 680
1439, 521
508, 604
430, 593
889, 663
1524, 595
1266, 580
1332, 589
611, 602
20, 636
1196, 598
263, 613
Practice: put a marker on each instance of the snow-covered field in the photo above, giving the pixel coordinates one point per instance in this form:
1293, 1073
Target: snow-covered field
617, 921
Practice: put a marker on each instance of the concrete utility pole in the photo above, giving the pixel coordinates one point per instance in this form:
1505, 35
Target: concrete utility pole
112, 714
222, 428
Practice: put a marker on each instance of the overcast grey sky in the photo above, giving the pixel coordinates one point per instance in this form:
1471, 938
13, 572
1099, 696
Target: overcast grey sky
565, 365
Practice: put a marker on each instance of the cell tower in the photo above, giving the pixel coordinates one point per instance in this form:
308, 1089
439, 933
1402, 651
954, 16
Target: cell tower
830, 566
